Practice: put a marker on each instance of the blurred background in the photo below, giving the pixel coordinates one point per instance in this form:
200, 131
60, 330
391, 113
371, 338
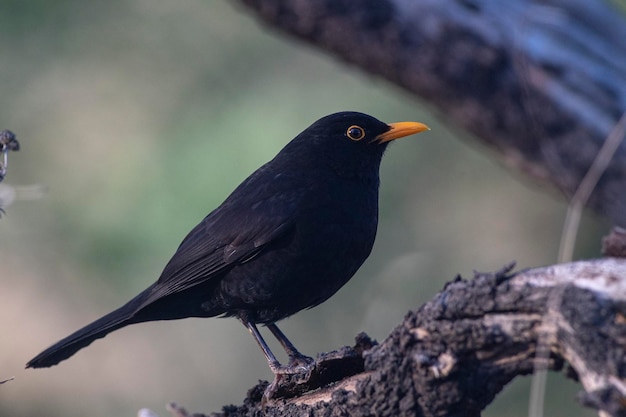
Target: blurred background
138, 118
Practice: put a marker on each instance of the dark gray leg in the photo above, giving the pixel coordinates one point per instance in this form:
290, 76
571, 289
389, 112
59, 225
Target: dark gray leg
298, 363
278, 370
297, 360
275, 366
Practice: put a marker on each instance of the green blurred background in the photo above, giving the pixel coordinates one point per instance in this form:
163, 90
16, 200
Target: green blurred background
139, 117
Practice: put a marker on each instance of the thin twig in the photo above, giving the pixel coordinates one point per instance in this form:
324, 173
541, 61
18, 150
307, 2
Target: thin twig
566, 252
586, 187
7, 380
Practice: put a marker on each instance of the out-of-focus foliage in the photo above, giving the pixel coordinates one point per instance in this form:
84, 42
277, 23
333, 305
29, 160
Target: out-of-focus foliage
138, 118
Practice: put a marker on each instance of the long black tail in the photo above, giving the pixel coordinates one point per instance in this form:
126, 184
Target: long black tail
65, 348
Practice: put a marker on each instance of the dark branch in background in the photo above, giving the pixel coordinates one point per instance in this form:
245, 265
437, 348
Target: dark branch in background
8, 142
8, 194
453, 355
541, 81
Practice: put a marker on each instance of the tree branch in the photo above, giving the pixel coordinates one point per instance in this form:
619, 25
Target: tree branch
541, 81
453, 355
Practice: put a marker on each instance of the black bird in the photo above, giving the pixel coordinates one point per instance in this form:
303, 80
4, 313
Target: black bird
288, 237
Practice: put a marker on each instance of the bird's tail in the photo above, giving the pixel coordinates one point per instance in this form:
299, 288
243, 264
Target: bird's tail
65, 348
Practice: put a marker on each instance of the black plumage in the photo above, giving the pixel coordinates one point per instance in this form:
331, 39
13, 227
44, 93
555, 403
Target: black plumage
286, 239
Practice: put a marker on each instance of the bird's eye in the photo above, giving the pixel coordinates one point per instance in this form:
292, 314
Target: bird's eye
355, 132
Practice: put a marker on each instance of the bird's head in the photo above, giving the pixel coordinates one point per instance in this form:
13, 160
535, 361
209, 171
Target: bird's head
351, 142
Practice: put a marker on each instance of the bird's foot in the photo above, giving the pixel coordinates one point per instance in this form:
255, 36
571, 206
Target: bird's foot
271, 388
299, 367
301, 363
298, 364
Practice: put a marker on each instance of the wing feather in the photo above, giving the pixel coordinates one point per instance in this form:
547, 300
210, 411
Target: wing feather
230, 235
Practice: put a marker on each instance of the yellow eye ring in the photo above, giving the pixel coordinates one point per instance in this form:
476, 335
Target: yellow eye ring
355, 132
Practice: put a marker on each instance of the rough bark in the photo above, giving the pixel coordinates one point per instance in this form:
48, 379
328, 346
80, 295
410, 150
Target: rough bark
453, 355
541, 81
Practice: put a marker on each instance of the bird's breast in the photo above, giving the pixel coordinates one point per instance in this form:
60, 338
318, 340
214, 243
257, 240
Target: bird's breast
333, 236
333, 231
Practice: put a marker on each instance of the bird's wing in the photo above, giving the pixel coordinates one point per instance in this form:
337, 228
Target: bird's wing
230, 235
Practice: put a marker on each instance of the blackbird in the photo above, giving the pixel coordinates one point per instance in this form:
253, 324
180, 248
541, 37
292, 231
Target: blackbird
286, 239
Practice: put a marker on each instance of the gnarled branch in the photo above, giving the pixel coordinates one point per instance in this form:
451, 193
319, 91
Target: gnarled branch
543, 82
453, 355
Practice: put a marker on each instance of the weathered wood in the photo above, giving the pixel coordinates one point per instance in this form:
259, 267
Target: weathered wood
454, 354
541, 81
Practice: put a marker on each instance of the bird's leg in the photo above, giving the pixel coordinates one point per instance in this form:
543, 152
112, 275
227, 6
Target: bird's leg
273, 363
297, 361
278, 370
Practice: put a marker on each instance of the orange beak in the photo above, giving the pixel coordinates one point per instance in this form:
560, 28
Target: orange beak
400, 130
